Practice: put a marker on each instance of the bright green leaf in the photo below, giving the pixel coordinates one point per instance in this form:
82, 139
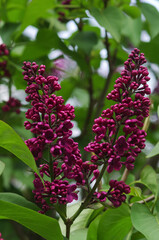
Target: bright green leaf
144, 221
15, 10
93, 229
80, 234
132, 11
43, 225
11, 141
2, 166
115, 222
136, 192
152, 16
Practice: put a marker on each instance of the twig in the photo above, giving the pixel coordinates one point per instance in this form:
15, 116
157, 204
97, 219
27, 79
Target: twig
125, 175
148, 199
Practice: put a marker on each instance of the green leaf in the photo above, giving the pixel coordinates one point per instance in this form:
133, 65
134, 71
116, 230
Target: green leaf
82, 96
35, 10
85, 40
80, 234
112, 19
11, 141
132, 29
2, 166
144, 221
93, 229
45, 226
154, 152
7, 32
136, 192
18, 200
132, 11
148, 177
137, 236
115, 222
149, 49
80, 221
15, 10
152, 16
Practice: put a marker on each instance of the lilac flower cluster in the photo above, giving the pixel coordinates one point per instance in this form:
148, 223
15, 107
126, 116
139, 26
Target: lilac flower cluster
51, 124
4, 72
115, 194
127, 115
12, 105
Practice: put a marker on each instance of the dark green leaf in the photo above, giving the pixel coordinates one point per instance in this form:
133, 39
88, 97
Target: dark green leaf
144, 221
7, 32
115, 222
85, 40
45, 226
18, 200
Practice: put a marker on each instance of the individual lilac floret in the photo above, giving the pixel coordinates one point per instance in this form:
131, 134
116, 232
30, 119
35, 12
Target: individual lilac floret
124, 118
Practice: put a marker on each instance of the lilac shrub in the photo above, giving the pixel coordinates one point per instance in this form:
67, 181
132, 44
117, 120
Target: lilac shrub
118, 140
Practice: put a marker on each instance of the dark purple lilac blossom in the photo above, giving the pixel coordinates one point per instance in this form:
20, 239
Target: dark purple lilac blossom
126, 115
50, 121
12, 105
4, 72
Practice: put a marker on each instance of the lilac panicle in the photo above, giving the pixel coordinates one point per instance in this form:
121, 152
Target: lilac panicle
126, 115
50, 121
